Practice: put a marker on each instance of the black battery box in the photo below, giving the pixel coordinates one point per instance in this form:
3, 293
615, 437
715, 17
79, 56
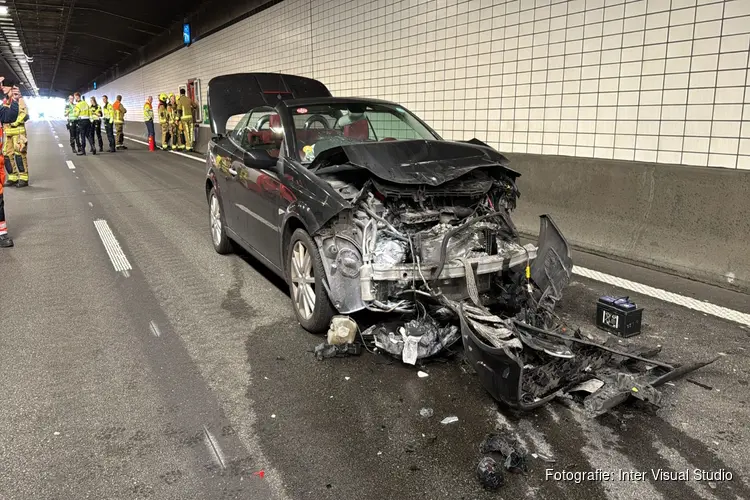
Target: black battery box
618, 315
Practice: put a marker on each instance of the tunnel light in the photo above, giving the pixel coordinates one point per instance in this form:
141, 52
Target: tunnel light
3, 10
15, 44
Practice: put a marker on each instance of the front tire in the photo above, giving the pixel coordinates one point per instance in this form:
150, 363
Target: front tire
217, 222
306, 273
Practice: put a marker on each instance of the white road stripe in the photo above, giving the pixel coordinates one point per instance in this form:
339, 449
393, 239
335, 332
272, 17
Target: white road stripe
213, 446
154, 329
59, 145
657, 293
173, 152
70, 165
114, 250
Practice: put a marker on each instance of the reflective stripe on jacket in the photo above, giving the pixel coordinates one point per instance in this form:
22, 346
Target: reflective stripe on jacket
17, 127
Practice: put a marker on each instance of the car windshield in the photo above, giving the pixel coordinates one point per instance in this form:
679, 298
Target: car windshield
319, 127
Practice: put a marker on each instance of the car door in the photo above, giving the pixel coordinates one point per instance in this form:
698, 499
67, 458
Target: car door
259, 191
224, 159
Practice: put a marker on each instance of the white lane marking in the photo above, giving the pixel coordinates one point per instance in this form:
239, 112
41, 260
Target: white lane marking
173, 152
70, 164
59, 145
114, 250
126, 274
658, 293
154, 329
214, 447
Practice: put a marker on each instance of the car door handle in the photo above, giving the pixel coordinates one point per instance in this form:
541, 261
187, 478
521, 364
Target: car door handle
233, 172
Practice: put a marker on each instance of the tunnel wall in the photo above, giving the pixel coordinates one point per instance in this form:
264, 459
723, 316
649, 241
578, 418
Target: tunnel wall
565, 88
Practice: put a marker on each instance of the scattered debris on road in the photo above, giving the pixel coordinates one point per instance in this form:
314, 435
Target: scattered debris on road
422, 374
436, 246
426, 412
449, 420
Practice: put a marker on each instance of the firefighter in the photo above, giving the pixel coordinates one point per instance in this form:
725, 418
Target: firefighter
15, 145
148, 117
8, 114
96, 123
118, 116
163, 122
82, 114
187, 106
71, 125
173, 115
107, 117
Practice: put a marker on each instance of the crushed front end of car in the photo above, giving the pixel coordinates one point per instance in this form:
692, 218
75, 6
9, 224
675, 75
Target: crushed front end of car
429, 235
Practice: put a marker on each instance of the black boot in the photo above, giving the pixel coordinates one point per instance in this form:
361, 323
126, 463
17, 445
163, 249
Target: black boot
93, 151
10, 183
22, 184
5, 241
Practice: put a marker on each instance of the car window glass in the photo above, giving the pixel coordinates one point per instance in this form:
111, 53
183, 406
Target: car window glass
321, 127
259, 129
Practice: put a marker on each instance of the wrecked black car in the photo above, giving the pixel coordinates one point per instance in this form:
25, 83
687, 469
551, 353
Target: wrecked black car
360, 205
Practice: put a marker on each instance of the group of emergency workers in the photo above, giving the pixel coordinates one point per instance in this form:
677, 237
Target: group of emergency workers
176, 117
85, 123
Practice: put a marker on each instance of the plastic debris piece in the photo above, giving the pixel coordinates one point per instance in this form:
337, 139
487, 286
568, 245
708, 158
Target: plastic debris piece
417, 339
380, 453
261, 474
347, 378
426, 413
56, 433
449, 420
342, 331
325, 350
273, 416
490, 474
511, 450
712, 485
422, 374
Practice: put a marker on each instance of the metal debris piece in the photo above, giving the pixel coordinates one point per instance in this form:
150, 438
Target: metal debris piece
422, 374
426, 412
449, 420
513, 452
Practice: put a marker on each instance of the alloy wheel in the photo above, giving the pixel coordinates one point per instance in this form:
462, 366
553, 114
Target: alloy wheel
303, 281
215, 211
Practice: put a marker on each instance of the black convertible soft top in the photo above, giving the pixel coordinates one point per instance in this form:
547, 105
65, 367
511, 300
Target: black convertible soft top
236, 94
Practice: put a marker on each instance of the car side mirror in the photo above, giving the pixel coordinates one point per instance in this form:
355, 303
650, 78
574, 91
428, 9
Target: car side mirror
259, 158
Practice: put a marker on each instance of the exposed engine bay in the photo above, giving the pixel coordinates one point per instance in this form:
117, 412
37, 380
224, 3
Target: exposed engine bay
445, 254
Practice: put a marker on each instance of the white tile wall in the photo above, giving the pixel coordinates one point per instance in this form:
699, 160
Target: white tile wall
646, 80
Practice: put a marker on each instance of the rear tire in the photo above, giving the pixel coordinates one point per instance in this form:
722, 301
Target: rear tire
306, 273
217, 224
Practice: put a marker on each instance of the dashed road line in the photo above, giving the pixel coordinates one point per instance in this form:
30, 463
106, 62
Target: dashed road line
671, 297
154, 329
59, 145
112, 246
213, 446
70, 164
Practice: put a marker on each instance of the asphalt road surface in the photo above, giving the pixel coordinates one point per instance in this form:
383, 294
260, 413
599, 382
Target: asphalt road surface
187, 377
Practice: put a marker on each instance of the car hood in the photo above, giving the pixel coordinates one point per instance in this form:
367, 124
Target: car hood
430, 162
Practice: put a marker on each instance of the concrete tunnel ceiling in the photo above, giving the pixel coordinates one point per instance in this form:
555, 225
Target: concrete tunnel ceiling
72, 42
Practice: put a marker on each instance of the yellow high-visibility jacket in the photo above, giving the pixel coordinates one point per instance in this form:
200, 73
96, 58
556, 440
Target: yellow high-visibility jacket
118, 112
107, 111
17, 127
148, 112
186, 106
81, 111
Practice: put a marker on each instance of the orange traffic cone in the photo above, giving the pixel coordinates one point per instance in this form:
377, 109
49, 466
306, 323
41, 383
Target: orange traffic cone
151, 145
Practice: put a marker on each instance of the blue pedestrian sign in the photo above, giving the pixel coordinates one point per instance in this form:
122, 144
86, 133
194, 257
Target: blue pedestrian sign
94, 85
186, 35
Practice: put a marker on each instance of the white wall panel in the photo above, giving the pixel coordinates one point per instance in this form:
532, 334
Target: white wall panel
649, 80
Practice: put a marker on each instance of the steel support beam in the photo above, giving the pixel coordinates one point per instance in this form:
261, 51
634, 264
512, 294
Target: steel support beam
62, 43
